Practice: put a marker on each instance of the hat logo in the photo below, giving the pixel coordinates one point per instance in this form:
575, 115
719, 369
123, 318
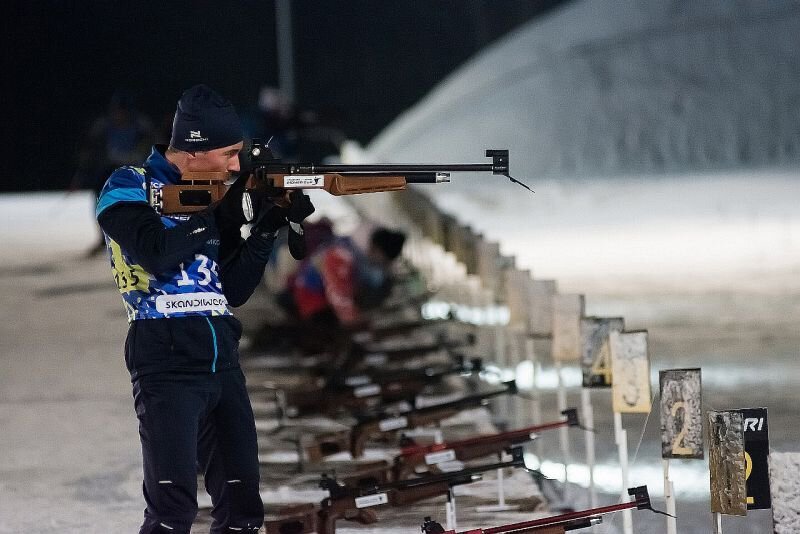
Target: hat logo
194, 134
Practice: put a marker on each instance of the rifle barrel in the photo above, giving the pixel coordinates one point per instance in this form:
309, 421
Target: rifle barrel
514, 436
517, 460
563, 518
463, 476
464, 402
389, 168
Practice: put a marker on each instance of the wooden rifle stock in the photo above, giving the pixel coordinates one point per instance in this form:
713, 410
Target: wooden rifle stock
328, 444
353, 184
204, 188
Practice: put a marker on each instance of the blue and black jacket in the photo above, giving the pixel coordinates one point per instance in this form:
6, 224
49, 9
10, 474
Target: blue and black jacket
176, 289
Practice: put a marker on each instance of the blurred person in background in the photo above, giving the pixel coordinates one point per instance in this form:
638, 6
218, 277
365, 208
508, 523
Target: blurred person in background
179, 275
293, 133
334, 288
122, 136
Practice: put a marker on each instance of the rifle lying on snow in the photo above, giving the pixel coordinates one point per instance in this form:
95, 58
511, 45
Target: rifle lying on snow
384, 353
355, 503
363, 392
414, 456
428, 373
350, 473
557, 524
342, 364
404, 328
275, 178
368, 427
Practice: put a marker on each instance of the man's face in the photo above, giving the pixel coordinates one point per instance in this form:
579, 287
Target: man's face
220, 159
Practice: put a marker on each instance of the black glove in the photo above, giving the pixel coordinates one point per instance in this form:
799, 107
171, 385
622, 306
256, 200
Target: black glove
238, 206
271, 218
300, 208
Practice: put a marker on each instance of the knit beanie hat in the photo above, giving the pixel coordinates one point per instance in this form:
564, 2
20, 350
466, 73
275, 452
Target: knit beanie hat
388, 242
204, 120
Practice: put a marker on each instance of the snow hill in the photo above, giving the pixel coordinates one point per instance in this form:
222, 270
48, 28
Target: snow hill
662, 139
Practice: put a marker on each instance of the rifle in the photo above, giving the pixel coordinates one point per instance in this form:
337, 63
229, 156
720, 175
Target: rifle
350, 503
275, 178
355, 439
387, 351
555, 524
362, 392
408, 328
356, 355
370, 426
428, 373
468, 449
352, 474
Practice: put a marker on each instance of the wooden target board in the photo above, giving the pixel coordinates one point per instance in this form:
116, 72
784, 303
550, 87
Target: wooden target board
726, 462
595, 349
518, 297
681, 413
567, 313
630, 367
540, 314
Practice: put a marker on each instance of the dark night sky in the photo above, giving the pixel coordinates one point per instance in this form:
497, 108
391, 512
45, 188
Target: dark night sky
359, 61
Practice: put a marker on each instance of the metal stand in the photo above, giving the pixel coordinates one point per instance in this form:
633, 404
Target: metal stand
501, 505
621, 437
669, 496
450, 511
587, 413
503, 408
536, 402
717, 523
563, 432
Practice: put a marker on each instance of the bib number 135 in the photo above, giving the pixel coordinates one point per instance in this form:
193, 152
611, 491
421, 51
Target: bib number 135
205, 269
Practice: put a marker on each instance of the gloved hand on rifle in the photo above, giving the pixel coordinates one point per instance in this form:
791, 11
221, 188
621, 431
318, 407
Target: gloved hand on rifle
273, 217
299, 209
239, 206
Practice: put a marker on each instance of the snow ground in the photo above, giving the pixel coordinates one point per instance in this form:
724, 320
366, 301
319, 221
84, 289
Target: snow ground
69, 439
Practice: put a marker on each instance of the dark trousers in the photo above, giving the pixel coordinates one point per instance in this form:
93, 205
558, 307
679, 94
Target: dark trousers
191, 422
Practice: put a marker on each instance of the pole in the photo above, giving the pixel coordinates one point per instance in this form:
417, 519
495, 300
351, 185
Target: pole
283, 23
536, 402
501, 505
563, 431
669, 496
515, 403
450, 510
587, 413
717, 523
621, 438
501, 406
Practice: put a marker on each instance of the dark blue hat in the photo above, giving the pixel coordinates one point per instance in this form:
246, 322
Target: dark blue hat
204, 120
